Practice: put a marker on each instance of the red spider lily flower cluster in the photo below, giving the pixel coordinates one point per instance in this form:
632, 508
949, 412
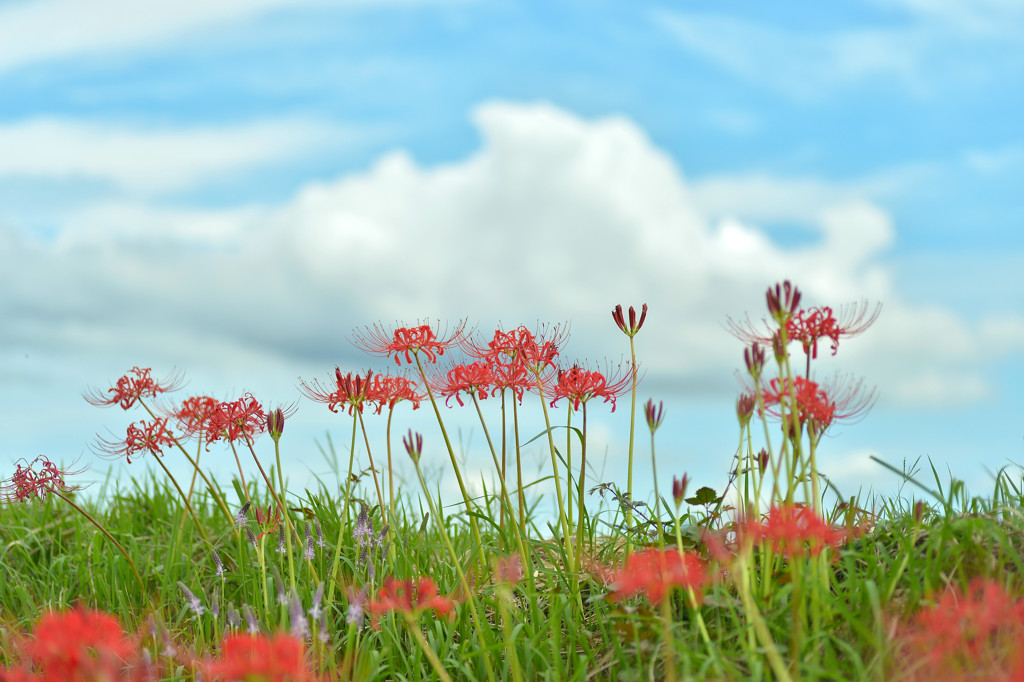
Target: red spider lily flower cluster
259, 657
475, 378
973, 633
409, 599
194, 414
580, 385
810, 325
807, 326
131, 387
812, 403
793, 529
633, 327
839, 398
27, 483
517, 359
389, 390
655, 573
79, 646
237, 419
141, 437
407, 342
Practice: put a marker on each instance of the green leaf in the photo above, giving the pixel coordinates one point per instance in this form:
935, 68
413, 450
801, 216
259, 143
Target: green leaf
705, 496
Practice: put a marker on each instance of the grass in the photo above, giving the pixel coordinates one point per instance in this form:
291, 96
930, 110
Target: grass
755, 581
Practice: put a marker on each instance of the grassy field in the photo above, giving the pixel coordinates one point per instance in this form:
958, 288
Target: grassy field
199, 579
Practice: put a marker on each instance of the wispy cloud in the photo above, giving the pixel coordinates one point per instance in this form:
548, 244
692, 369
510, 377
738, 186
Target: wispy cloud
44, 30
798, 63
154, 160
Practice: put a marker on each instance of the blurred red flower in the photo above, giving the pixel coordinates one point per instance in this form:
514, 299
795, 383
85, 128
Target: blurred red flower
80, 646
656, 573
973, 633
793, 529
259, 658
404, 597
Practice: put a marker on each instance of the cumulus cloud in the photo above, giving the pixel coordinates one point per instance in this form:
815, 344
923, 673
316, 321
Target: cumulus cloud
553, 217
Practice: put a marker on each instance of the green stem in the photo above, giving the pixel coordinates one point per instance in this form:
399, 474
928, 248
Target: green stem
110, 537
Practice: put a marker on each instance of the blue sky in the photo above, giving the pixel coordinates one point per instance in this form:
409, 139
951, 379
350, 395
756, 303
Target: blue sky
232, 187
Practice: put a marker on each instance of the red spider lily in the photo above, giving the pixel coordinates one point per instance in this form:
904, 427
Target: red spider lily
143, 436
242, 418
810, 325
351, 391
259, 658
131, 387
973, 633
79, 645
402, 596
194, 414
388, 390
812, 403
656, 572
27, 483
794, 530
474, 378
807, 326
633, 327
580, 385
515, 378
839, 398
521, 346
407, 341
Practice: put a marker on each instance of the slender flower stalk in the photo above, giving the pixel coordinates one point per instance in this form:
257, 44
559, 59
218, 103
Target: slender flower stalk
630, 330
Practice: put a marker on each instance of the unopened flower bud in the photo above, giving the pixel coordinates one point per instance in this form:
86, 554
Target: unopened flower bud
679, 488
654, 415
745, 408
634, 325
783, 301
275, 423
413, 445
762, 460
754, 359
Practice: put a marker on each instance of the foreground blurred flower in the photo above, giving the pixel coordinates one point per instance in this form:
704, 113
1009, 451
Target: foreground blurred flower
259, 658
80, 645
131, 387
968, 634
656, 573
411, 601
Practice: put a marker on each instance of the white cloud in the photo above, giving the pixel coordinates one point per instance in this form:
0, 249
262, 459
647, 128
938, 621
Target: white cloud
58, 29
552, 218
148, 160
